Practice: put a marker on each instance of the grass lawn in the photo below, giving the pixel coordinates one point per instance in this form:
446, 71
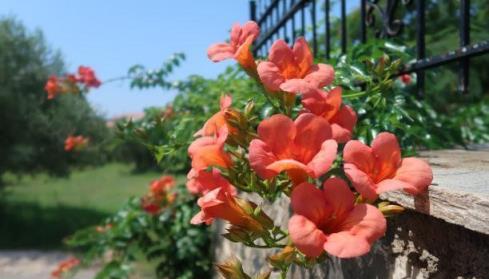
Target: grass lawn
38, 212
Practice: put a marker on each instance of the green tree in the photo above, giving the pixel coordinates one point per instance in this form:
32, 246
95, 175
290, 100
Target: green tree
33, 129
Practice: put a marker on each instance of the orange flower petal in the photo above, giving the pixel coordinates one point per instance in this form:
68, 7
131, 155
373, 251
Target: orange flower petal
296, 85
345, 245
388, 155
277, 132
244, 56
303, 56
417, 173
311, 132
260, 156
361, 181
320, 75
365, 221
282, 56
219, 52
306, 236
249, 29
343, 123
359, 154
308, 201
289, 165
338, 195
323, 160
270, 76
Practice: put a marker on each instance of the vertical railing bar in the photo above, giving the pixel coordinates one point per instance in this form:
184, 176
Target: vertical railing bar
313, 19
326, 32
277, 18
293, 22
253, 17
284, 11
464, 30
253, 10
343, 27
269, 26
363, 19
420, 43
303, 20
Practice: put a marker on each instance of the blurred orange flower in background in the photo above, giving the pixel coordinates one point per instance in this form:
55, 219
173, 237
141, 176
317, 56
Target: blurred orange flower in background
52, 87
75, 143
159, 195
86, 75
64, 267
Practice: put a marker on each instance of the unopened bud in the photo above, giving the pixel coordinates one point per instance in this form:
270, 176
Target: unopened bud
284, 257
232, 269
236, 234
250, 106
234, 118
391, 209
382, 204
265, 221
247, 206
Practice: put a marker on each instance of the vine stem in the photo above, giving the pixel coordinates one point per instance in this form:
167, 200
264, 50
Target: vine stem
355, 95
253, 245
271, 102
121, 78
283, 273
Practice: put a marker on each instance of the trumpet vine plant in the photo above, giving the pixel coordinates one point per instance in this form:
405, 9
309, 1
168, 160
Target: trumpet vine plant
304, 150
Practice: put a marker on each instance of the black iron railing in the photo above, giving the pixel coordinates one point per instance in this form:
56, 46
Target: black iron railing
290, 18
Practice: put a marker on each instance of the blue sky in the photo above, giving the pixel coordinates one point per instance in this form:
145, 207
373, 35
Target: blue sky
111, 36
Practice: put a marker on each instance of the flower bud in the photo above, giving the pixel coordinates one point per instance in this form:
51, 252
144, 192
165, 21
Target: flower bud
239, 127
232, 269
250, 106
390, 209
247, 206
236, 234
263, 219
234, 118
256, 213
282, 258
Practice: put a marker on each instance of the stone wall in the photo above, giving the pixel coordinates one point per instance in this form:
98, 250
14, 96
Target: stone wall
415, 246
443, 234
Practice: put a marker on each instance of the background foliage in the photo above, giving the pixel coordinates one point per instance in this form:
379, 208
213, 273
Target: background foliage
167, 132
32, 128
167, 241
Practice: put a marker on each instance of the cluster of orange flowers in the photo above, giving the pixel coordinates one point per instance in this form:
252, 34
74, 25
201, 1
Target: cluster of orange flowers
71, 83
84, 79
75, 143
300, 145
160, 195
64, 267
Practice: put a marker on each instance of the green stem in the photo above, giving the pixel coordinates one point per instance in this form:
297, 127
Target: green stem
283, 273
277, 108
355, 95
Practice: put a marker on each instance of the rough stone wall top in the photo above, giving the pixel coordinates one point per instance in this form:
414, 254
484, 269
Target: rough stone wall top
460, 190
